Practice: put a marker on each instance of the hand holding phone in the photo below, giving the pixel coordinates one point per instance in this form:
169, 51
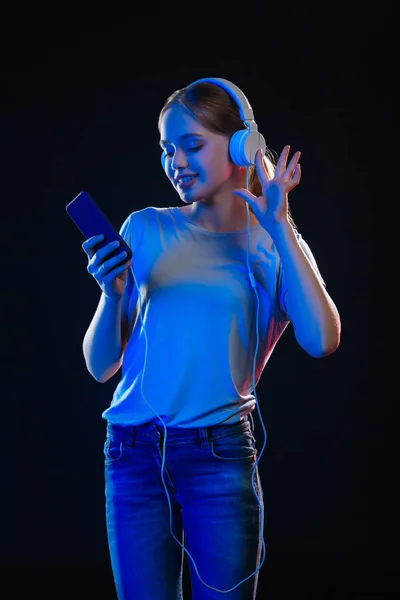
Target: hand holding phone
90, 219
109, 255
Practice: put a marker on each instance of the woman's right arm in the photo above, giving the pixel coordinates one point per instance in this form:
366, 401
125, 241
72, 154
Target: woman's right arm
104, 344
106, 337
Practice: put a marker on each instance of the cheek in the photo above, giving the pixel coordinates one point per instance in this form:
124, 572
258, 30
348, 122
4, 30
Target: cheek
223, 161
170, 174
222, 168
219, 165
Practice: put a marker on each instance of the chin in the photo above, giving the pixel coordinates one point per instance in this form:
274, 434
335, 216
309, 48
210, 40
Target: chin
188, 198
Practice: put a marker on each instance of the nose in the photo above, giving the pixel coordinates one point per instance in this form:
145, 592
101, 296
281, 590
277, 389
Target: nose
179, 160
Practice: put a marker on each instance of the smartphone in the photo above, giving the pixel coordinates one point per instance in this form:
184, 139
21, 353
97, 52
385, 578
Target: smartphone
90, 219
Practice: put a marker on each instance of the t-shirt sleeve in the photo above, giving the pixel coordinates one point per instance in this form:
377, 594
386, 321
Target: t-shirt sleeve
125, 231
131, 231
282, 281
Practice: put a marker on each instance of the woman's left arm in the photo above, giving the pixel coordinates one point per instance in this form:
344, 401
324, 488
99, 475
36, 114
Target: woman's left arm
315, 318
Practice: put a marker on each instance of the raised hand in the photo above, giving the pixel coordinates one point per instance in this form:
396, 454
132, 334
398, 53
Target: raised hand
272, 207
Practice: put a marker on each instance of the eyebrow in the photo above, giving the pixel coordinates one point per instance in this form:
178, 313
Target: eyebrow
183, 137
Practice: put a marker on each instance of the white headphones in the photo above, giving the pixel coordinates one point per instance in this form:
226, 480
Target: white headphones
244, 143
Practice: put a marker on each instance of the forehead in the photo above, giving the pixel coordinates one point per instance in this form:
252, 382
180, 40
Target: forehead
177, 122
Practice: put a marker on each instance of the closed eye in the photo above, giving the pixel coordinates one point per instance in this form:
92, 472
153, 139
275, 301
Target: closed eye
194, 149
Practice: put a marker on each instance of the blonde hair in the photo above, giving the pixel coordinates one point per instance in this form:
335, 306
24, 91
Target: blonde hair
217, 111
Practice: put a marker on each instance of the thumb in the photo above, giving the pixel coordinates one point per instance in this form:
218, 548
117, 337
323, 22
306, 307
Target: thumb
248, 197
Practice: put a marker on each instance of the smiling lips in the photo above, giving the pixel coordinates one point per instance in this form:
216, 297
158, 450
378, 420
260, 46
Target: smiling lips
186, 181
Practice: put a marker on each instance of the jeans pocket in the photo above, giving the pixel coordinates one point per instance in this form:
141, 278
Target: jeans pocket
112, 450
240, 446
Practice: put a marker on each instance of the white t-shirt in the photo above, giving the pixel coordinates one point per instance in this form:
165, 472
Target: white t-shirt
199, 311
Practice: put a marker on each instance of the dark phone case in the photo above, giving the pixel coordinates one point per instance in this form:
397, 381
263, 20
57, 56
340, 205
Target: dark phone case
90, 219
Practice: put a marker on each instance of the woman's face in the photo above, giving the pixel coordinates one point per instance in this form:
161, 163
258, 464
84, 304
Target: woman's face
192, 150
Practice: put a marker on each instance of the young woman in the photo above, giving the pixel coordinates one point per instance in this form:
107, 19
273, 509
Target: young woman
186, 319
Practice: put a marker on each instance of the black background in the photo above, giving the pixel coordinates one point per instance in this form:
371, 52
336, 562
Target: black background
82, 93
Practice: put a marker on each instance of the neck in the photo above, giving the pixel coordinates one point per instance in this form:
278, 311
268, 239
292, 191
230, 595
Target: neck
224, 211
229, 215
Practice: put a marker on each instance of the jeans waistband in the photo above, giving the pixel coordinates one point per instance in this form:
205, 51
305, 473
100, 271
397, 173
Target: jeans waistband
148, 430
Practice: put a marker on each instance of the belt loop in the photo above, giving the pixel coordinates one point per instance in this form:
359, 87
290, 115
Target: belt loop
205, 436
251, 423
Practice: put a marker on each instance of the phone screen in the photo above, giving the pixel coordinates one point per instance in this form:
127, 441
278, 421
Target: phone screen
91, 221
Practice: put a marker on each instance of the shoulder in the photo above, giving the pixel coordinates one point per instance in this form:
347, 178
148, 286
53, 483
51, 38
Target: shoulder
149, 212
144, 219
139, 216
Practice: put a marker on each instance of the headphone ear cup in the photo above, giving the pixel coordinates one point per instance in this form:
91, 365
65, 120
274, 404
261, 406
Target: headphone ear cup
243, 146
236, 147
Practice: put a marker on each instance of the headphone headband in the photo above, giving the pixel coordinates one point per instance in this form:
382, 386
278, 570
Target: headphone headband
246, 112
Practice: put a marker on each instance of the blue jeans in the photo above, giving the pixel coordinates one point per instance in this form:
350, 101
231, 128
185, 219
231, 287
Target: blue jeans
215, 514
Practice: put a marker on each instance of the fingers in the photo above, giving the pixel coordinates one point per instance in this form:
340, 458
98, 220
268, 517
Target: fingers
245, 194
295, 180
90, 243
297, 174
111, 275
281, 164
289, 172
249, 198
104, 252
89, 247
97, 266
